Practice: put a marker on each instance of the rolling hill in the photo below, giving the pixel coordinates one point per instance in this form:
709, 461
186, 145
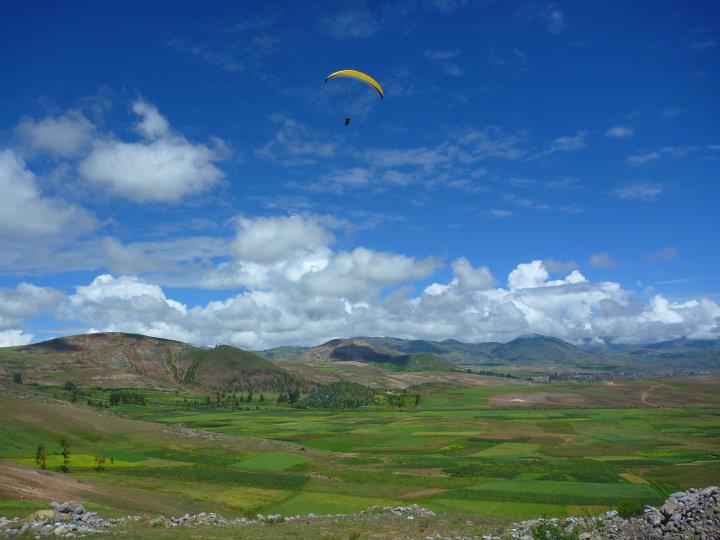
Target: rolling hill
366, 351
117, 359
533, 349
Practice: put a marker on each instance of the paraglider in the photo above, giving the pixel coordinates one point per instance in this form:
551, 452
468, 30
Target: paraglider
360, 76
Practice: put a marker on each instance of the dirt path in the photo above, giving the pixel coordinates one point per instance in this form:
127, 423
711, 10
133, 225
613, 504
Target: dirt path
646, 393
20, 482
422, 493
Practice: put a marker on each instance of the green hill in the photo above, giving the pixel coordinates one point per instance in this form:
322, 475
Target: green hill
120, 360
538, 349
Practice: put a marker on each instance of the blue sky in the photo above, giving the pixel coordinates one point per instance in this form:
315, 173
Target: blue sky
182, 170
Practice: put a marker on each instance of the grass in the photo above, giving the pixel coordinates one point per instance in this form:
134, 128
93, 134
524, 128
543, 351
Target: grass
457, 452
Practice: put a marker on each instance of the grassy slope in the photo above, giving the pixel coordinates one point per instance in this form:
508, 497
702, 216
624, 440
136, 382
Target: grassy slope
455, 453
130, 360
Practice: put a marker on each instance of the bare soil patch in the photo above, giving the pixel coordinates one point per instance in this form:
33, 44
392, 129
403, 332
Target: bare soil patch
422, 493
20, 482
538, 399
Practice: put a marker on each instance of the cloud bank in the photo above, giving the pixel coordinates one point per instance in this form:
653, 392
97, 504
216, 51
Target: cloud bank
290, 285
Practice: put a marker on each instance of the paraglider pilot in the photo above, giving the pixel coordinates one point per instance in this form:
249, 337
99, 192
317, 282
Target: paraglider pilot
347, 121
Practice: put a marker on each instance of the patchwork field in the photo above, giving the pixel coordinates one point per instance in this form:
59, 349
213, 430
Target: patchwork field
492, 452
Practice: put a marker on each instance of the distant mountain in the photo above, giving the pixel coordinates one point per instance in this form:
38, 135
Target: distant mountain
407, 346
451, 348
354, 350
539, 349
366, 350
685, 344
283, 353
132, 360
679, 354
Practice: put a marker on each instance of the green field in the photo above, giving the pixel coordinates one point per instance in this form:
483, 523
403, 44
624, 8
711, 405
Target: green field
456, 452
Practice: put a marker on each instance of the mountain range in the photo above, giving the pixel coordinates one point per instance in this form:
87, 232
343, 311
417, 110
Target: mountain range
131, 360
533, 349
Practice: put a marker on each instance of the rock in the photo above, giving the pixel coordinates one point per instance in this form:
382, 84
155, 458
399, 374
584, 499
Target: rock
42, 515
72, 508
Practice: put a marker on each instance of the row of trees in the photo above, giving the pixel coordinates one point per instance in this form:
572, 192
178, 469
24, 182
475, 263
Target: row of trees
291, 396
64, 452
401, 399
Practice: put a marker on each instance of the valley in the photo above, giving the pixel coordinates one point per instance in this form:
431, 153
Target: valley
466, 446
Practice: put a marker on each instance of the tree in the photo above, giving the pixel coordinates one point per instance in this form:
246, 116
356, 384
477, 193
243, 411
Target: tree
65, 453
17, 378
112, 460
262, 398
100, 460
40, 457
70, 386
417, 399
293, 395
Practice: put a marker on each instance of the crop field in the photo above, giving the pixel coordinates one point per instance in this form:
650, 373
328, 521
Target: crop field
461, 450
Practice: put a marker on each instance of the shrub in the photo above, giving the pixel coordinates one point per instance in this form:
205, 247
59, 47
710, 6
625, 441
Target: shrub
124, 397
628, 509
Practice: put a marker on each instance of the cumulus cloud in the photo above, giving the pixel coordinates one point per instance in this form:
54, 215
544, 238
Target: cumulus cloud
14, 337
529, 275
602, 260
23, 302
468, 308
163, 167
268, 240
64, 136
470, 278
559, 267
25, 213
290, 285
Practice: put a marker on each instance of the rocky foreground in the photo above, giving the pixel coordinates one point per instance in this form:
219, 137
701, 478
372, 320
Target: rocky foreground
692, 514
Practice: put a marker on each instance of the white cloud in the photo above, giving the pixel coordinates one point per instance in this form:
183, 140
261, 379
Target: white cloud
152, 124
570, 308
445, 7
673, 152
602, 259
666, 254
295, 144
14, 337
23, 302
268, 240
569, 143
64, 136
471, 278
443, 59
497, 213
554, 21
526, 276
25, 213
163, 167
619, 132
641, 191
559, 267
352, 21
296, 288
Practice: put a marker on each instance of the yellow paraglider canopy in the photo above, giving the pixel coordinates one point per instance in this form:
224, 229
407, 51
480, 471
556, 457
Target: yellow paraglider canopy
359, 75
